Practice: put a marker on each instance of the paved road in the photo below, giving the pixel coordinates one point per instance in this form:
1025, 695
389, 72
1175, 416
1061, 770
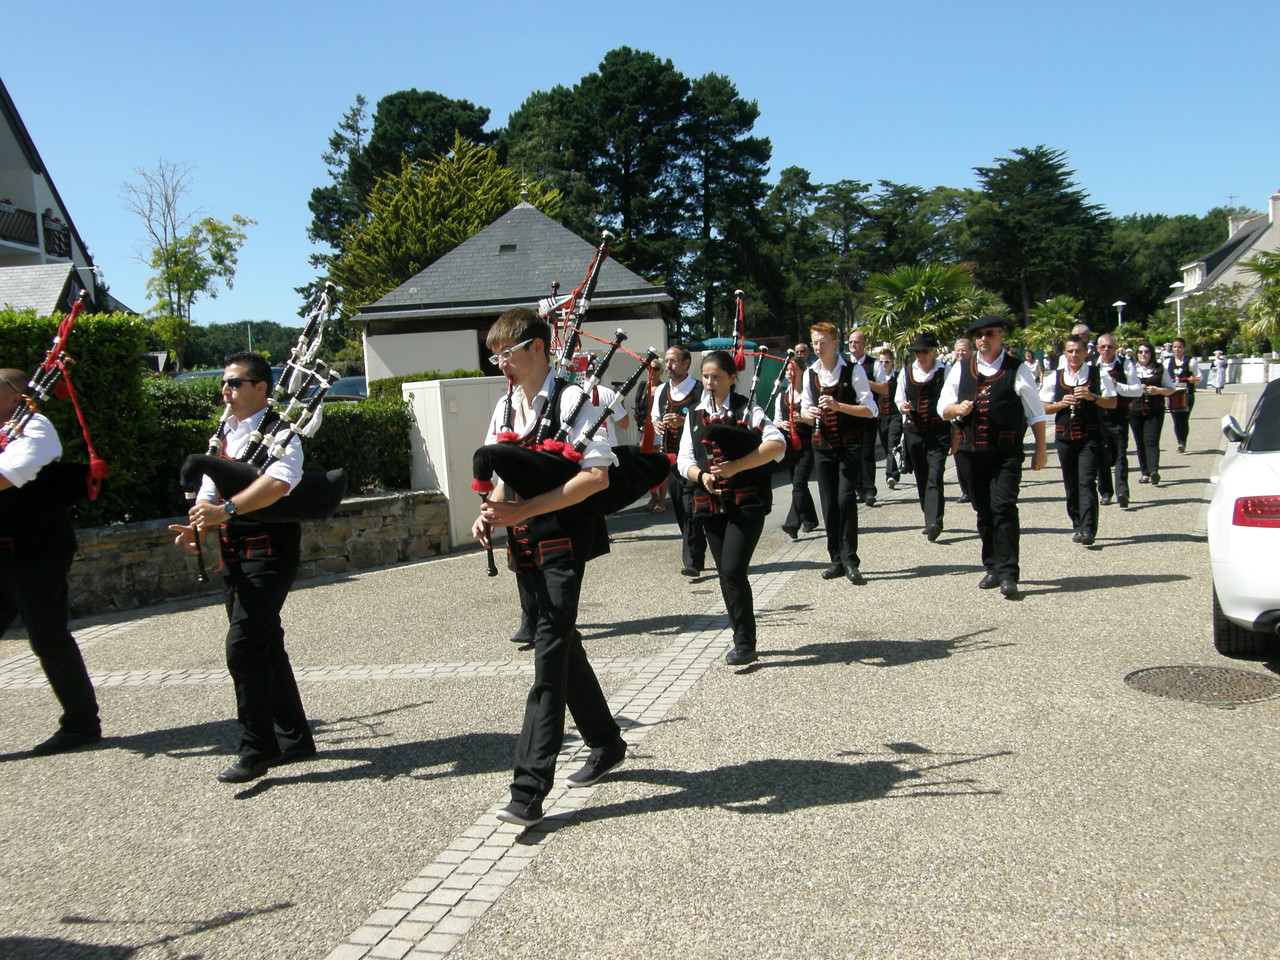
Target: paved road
913, 769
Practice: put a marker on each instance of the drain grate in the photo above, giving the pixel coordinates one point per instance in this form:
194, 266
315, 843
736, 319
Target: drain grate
1211, 685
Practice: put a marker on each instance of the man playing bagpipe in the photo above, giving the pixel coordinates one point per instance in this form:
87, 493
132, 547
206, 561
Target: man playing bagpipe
259, 563
37, 544
550, 538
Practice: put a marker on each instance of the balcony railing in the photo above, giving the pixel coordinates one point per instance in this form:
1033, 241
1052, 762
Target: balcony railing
57, 240
19, 226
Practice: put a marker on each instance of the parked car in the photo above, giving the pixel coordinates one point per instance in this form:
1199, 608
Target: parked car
344, 388
1244, 532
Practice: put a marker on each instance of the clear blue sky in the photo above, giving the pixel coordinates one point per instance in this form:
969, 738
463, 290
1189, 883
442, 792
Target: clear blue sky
1163, 106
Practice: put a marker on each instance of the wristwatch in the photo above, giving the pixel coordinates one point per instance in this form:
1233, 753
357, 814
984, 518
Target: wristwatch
230, 507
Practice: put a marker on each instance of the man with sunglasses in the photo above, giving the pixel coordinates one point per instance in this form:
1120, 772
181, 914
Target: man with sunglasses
1113, 475
994, 397
37, 544
259, 564
926, 434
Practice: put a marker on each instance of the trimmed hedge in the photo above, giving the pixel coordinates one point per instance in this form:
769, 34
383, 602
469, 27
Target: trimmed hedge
390, 387
144, 428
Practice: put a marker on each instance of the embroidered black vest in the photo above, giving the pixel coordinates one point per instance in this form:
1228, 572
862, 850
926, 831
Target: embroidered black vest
1149, 404
998, 421
1180, 373
925, 417
1086, 420
1120, 412
835, 429
671, 436
750, 491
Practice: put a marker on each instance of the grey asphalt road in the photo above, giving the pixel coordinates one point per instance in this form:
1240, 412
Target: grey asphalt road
914, 768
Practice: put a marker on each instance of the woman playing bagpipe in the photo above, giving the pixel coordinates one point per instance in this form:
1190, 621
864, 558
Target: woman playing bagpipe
726, 442
550, 537
803, 514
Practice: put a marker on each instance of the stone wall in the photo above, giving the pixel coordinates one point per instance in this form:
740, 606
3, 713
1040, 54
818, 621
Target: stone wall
130, 565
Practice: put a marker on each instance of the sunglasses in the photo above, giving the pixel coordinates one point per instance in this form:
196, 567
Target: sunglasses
506, 354
235, 383
989, 332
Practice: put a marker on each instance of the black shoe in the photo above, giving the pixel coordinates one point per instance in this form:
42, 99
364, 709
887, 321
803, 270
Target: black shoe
791, 532
963, 498
933, 531
690, 572
1087, 539
1076, 537
1009, 587
1123, 501
1144, 479
740, 656
522, 813
833, 571
989, 582
855, 577
808, 527
870, 501
522, 637
1182, 448
1155, 479
1105, 501
600, 762
294, 755
65, 740
241, 772
891, 482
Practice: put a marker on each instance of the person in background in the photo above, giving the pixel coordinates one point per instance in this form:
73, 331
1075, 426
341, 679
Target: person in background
1113, 473
1146, 414
803, 515
671, 404
961, 352
859, 357
889, 422
1037, 371
1184, 371
925, 433
1218, 371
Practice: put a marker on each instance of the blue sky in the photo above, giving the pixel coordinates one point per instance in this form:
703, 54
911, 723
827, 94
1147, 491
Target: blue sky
1163, 106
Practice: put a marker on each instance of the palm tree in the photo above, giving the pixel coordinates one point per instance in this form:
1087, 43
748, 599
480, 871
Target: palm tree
1264, 308
917, 299
1051, 322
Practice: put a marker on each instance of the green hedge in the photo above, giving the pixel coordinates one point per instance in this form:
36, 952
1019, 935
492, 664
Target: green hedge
390, 387
144, 428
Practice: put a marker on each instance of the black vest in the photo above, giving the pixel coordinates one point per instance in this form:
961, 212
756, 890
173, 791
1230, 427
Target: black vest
1180, 373
836, 429
925, 417
998, 421
1149, 404
1120, 412
1080, 422
671, 437
33, 526
750, 491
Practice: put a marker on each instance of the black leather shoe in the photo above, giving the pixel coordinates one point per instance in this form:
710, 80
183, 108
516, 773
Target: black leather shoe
690, 572
989, 582
1076, 537
599, 762
933, 532
963, 498
1009, 587
791, 532
1123, 501
833, 571
870, 501
241, 772
1087, 539
65, 740
1105, 501
741, 656
808, 527
521, 637
1155, 479
855, 577
1144, 479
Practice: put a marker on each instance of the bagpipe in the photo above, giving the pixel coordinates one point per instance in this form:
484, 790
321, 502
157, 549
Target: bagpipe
565, 314
295, 410
59, 482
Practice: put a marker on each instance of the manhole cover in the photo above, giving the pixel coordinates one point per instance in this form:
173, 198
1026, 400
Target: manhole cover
1214, 685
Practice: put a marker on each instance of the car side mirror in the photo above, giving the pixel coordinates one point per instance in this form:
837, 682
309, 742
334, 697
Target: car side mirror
1231, 429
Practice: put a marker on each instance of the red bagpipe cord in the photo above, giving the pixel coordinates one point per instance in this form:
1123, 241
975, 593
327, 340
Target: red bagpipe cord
98, 469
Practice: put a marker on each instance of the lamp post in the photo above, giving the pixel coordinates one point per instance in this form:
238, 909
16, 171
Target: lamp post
1119, 305
1178, 286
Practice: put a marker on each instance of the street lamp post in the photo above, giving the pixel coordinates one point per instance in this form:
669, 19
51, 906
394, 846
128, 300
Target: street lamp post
1119, 305
1178, 286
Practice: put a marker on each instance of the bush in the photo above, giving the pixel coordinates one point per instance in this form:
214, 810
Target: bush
390, 387
368, 439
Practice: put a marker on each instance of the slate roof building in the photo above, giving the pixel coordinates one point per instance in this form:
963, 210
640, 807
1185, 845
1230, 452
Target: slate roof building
1249, 236
43, 261
437, 320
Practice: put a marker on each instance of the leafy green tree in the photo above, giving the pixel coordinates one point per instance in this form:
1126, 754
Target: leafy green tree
1264, 308
1051, 323
189, 257
924, 298
841, 213
1033, 232
210, 343
795, 243
424, 211
335, 206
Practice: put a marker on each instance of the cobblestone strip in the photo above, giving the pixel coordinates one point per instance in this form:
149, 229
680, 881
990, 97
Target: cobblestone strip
32, 677
431, 912
26, 662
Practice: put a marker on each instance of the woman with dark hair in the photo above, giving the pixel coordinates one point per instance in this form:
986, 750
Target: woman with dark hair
726, 443
1146, 413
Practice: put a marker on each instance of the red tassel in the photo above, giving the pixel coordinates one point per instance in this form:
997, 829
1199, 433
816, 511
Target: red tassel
482, 486
672, 458
507, 436
62, 391
98, 471
740, 359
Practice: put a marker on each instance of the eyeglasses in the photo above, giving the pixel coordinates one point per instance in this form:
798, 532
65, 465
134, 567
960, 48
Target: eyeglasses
820, 343
1106, 346
988, 332
235, 383
506, 354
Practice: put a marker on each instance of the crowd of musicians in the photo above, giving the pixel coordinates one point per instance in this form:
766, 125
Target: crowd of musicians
838, 415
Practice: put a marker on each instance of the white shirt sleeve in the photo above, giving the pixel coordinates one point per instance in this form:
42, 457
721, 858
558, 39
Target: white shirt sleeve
27, 453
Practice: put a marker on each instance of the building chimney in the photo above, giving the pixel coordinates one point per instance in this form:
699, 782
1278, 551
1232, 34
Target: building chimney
1275, 207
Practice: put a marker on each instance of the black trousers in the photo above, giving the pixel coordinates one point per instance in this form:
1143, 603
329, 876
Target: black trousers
802, 508
962, 473
1113, 473
1146, 440
866, 453
562, 678
258, 571
1080, 461
1182, 419
889, 429
732, 538
36, 589
928, 455
838, 474
693, 542
994, 480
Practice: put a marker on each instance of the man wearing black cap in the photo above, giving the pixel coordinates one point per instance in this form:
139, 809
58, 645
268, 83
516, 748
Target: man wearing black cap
994, 396
926, 435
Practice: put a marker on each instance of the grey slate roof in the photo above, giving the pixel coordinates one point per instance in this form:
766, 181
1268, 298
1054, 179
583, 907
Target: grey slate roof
43, 288
510, 263
1224, 257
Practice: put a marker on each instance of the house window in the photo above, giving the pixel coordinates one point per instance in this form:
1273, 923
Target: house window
506, 248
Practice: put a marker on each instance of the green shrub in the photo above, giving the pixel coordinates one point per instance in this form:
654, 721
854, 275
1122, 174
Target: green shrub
390, 387
369, 439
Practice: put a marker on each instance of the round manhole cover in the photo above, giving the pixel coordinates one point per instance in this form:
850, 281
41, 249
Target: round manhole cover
1213, 685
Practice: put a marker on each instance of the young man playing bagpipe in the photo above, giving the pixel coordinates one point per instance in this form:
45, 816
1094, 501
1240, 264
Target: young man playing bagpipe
549, 541
37, 544
260, 562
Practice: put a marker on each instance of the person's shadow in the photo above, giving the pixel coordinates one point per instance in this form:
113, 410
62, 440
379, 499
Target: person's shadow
781, 786
877, 653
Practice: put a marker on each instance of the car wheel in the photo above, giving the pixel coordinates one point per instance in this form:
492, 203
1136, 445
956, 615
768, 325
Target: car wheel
1231, 640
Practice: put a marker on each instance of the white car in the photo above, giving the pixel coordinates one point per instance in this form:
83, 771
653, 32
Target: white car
1244, 532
